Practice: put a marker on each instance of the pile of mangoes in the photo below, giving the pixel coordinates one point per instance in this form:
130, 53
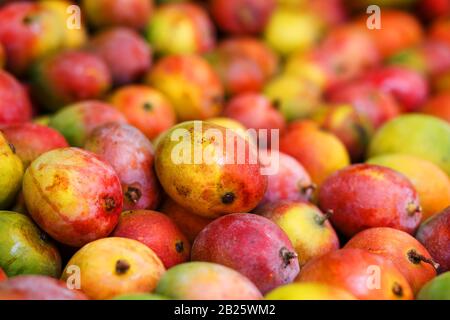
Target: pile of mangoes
225, 149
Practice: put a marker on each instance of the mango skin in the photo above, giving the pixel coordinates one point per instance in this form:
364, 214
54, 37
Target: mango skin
220, 187
309, 291
35, 287
250, 244
436, 289
73, 195
190, 84
423, 136
76, 122
140, 296
24, 249
204, 280
351, 272
432, 184
180, 28
11, 172
310, 237
131, 155
359, 199
124, 265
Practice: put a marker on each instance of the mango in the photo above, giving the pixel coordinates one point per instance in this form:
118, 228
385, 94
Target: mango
436, 289
204, 280
124, 265
11, 172
73, 195
309, 291
25, 249
432, 184
418, 135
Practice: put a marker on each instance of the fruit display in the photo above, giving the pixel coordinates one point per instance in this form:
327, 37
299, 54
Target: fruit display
224, 150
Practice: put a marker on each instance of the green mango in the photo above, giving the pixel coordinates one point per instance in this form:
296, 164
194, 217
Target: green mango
25, 249
436, 289
419, 135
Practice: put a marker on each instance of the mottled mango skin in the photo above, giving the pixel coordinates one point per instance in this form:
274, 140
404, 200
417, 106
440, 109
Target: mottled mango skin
15, 105
349, 272
431, 182
224, 182
23, 45
436, 289
206, 281
180, 28
321, 153
189, 223
76, 122
124, 265
105, 13
25, 249
419, 135
434, 234
11, 172
145, 108
250, 244
55, 83
309, 230
400, 248
289, 182
158, 232
73, 195
131, 155
31, 140
190, 84
309, 291
365, 196
115, 46
32, 287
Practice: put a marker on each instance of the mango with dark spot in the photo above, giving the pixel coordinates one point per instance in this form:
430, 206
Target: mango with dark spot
434, 234
145, 108
365, 196
25, 249
31, 140
73, 195
156, 231
354, 270
209, 170
189, 223
131, 155
190, 84
252, 245
409, 256
11, 172
206, 281
76, 122
55, 83
114, 266
309, 230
